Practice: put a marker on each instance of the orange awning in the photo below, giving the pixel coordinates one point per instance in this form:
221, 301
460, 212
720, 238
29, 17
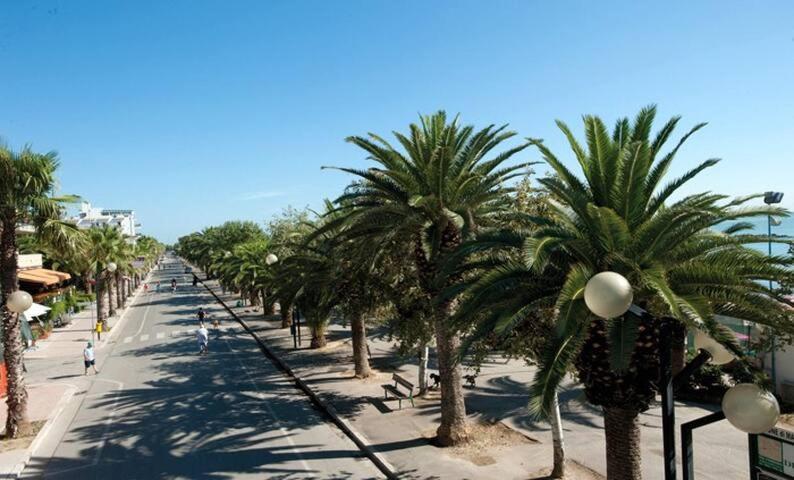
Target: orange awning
43, 276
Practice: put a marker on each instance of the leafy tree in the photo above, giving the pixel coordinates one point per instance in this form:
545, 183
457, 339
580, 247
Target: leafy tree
436, 191
620, 218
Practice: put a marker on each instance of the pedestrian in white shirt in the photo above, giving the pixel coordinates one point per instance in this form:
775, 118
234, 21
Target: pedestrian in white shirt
89, 359
202, 336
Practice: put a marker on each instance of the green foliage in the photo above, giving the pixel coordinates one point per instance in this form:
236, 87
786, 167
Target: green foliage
619, 217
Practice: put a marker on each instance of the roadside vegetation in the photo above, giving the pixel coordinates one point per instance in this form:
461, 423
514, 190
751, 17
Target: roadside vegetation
448, 241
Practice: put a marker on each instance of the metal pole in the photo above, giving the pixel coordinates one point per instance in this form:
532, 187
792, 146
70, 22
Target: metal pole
668, 402
752, 440
774, 360
687, 454
298, 328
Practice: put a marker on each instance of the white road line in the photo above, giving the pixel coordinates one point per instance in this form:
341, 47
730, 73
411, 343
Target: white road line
144, 337
176, 333
160, 334
276, 419
143, 321
128, 340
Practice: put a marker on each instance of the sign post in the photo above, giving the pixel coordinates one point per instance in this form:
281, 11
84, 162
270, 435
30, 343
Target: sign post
772, 455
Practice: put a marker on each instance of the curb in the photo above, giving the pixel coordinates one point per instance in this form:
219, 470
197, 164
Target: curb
356, 437
16, 471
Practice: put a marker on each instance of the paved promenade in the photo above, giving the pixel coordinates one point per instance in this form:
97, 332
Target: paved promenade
500, 395
159, 410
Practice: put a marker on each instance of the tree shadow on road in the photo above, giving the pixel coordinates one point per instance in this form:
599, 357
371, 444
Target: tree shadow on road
202, 418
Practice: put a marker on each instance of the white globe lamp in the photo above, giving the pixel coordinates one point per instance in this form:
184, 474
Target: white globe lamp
19, 301
750, 408
719, 354
112, 267
608, 294
270, 259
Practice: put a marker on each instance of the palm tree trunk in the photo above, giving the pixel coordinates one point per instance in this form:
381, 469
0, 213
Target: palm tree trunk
678, 346
452, 430
87, 282
622, 432
286, 315
17, 400
360, 353
112, 294
318, 336
424, 354
120, 287
101, 304
555, 420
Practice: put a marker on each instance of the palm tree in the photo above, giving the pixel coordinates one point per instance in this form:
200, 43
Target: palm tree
104, 244
430, 196
25, 197
680, 264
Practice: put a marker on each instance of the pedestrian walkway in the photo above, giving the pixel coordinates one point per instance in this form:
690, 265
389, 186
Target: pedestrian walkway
46, 397
147, 337
500, 395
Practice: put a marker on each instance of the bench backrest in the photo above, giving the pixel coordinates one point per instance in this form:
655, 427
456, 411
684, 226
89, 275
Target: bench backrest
401, 381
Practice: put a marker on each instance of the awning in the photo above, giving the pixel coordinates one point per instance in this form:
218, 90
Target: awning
35, 310
43, 276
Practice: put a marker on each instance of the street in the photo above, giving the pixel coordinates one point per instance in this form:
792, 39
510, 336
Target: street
157, 409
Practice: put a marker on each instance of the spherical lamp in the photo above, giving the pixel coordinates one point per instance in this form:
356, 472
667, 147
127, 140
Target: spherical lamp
112, 267
750, 408
719, 354
270, 259
19, 301
608, 294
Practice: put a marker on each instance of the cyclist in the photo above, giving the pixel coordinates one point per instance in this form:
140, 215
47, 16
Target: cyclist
173, 285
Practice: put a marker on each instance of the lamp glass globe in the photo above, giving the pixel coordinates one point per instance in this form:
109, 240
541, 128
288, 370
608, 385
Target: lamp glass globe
750, 408
112, 267
608, 294
19, 301
719, 354
270, 259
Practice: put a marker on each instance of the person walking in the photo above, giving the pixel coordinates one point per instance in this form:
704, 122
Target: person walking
202, 337
201, 315
98, 328
157, 286
89, 359
145, 288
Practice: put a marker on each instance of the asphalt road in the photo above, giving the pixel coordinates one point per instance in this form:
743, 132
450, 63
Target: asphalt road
159, 410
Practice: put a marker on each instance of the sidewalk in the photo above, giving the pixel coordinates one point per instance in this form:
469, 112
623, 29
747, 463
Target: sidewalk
46, 399
70, 340
500, 396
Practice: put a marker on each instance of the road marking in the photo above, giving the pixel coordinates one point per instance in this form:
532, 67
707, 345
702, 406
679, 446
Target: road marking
128, 340
144, 337
104, 438
160, 334
143, 321
176, 333
276, 419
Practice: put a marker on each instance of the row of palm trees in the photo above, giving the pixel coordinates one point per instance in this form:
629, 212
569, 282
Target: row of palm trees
441, 234
26, 198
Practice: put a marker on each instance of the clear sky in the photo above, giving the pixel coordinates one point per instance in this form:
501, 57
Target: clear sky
195, 112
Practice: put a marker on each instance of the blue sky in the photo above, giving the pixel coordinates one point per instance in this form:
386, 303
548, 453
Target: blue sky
194, 112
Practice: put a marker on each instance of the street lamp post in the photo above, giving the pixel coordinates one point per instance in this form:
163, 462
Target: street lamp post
772, 198
747, 407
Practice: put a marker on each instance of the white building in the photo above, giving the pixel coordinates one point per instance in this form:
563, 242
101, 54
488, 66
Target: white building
123, 220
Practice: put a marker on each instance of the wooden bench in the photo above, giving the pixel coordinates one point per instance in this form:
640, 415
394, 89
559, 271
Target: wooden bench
396, 392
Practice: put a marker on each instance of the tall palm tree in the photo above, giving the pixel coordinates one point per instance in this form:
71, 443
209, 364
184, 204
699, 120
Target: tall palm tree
436, 191
104, 244
28, 179
687, 260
